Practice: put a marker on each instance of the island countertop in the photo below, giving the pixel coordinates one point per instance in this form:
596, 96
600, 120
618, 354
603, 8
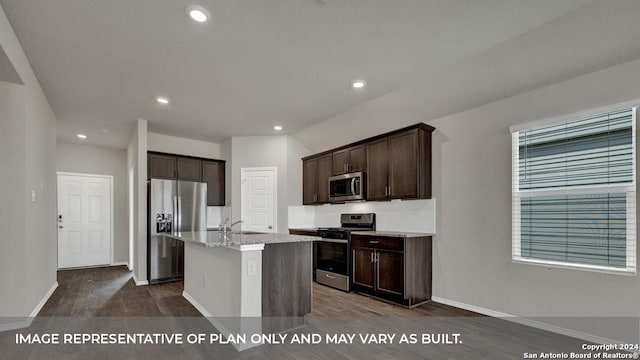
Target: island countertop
214, 239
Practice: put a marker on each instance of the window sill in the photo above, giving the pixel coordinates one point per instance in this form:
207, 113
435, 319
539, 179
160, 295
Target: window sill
559, 265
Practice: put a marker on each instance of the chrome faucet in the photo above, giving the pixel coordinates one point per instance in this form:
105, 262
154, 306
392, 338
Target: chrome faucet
226, 228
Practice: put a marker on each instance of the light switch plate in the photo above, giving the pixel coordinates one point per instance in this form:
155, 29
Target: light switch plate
33, 196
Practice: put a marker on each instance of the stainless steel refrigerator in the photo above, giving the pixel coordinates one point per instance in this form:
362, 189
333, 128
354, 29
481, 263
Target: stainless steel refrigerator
173, 206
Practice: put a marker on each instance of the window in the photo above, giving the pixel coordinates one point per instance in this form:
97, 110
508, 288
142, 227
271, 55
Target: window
574, 192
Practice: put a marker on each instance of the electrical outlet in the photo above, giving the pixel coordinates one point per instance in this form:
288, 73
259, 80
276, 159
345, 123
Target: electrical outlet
33, 196
252, 268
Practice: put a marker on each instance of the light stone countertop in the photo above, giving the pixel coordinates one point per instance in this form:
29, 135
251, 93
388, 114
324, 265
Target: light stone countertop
402, 234
392, 234
238, 241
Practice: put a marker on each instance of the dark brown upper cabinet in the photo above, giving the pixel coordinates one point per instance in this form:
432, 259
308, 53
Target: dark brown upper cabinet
162, 166
189, 169
348, 160
185, 168
213, 174
377, 169
397, 165
315, 179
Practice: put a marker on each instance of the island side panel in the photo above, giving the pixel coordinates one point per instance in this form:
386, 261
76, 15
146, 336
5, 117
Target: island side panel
212, 278
286, 279
251, 274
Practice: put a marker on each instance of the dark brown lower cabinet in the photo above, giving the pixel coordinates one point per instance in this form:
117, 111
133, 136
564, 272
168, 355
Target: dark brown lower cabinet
392, 268
363, 268
390, 272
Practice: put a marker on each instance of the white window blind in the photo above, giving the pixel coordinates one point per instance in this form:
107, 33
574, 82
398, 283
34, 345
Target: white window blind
574, 193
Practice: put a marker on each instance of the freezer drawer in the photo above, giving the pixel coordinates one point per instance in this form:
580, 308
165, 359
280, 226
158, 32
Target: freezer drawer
165, 259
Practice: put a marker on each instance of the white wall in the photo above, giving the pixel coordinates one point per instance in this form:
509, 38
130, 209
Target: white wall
87, 159
472, 180
137, 164
183, 146
12, 191
282, 152
472, 183
28, 149
295, 152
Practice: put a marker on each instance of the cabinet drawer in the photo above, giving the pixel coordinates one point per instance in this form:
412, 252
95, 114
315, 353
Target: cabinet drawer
378, 242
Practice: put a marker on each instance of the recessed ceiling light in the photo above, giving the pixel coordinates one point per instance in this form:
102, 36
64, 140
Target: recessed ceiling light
277, 128
82, 136
162, 100
358, 84
198, 13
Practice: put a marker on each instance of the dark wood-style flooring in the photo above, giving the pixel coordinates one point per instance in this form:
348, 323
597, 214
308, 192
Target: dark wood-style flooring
110, 291
106, 300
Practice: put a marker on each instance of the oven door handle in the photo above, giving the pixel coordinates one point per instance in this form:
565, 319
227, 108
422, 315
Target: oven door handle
339, 241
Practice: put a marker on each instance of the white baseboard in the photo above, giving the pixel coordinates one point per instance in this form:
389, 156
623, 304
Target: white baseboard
197, 305
527, 322
44, 300
139, 282
122, 263
27, 322
219, 326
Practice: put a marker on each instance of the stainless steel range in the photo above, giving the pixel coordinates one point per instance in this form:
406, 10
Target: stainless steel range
332, 258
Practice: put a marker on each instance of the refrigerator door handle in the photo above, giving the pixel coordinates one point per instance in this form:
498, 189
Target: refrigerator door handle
175, 214
179, 210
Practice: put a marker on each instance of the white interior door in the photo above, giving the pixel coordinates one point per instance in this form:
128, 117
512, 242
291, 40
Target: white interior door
84, 220
259, 199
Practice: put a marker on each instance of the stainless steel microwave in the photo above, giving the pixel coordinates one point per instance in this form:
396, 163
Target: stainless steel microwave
347, 187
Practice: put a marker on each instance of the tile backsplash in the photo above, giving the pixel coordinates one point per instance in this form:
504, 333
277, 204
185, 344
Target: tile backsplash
406, 216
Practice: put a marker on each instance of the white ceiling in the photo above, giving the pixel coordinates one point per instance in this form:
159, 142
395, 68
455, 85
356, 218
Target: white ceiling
594, 37
258, 63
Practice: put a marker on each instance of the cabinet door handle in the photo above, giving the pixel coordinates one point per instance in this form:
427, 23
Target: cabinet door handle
372, 256
373, 241
377, 257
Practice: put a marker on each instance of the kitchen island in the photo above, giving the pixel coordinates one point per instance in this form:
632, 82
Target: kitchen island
248, 283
